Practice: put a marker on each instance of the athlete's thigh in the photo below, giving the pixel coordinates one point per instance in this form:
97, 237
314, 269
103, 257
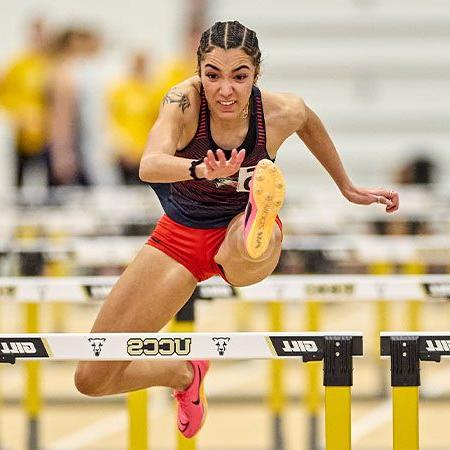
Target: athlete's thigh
147, 295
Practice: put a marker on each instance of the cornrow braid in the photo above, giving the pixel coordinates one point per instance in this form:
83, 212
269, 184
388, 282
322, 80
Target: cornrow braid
228, 35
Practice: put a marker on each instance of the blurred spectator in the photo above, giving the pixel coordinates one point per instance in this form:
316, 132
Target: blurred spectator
77, 115
182, 66
133, 108
23, 95
420, 170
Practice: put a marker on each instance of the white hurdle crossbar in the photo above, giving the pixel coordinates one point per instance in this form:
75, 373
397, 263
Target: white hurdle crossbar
138, 346
336, 349
282, 287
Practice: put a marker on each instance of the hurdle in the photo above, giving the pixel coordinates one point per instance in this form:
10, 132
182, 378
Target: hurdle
406, 351
335, 349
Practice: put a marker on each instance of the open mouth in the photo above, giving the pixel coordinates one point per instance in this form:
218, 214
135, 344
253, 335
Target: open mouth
228, 103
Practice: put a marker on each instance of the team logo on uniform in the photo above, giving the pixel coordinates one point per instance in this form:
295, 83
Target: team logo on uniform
221, 344
241, 183
97, 345
226, 182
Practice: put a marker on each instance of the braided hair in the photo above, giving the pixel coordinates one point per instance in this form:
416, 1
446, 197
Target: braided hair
229, 35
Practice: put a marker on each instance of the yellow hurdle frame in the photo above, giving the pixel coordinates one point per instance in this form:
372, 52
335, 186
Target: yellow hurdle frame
338, 434
405, 414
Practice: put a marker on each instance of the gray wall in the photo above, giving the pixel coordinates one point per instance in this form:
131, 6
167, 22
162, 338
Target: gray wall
376, 71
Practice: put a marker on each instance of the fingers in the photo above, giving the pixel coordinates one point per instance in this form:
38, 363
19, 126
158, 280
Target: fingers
212, 160
394, 197
241, 156
385, 197
218, 161
208, 166
221, 157
237, 158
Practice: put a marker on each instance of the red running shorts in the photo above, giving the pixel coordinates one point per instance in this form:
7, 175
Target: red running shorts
194, 248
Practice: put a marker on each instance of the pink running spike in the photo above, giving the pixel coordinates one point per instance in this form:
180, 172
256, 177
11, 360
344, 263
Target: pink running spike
192, 404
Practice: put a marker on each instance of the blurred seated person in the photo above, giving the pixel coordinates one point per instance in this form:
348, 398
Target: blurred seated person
421, 170
23, 96
133, 108
181, 66
78, 149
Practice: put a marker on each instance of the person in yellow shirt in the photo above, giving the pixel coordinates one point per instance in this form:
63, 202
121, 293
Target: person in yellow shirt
23, 96
133, 108
182, 66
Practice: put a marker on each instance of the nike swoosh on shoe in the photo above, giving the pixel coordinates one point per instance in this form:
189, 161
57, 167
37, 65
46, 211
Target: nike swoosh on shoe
184, 425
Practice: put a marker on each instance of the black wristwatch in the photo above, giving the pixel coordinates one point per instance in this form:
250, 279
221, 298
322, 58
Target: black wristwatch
194, 164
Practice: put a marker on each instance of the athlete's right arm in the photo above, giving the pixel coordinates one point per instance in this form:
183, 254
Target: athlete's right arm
159, 163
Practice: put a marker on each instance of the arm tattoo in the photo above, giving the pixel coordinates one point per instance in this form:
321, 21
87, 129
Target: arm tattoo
173, 96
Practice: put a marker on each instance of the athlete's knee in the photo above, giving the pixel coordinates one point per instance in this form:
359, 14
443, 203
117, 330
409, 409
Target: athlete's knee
89, 381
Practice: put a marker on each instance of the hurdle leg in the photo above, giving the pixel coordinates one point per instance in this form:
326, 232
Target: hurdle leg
405, 414
382, 323
1, 393
244, 313
0, 407
405, 382
58, 268
337, 417
414, 307
277, 399
338, 379
33, 401
312, 389
137, 420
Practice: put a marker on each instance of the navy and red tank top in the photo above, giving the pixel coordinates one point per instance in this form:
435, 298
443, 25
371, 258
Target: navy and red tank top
213, 203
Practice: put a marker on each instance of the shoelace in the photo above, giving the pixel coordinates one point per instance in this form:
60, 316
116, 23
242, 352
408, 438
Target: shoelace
181, 398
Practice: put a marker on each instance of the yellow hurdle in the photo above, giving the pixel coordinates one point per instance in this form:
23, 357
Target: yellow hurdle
405, 414
58, 268
277, 397
382, 306
33, 400
137, 403
405, 354
338, 379
338, 417
382, 323
312, 385
414, 306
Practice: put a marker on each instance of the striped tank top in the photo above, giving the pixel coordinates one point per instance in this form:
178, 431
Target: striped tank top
213, 203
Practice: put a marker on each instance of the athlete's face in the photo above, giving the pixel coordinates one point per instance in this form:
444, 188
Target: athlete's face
227, 77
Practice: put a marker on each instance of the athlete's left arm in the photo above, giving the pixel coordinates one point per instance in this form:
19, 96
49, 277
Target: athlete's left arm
313, 133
